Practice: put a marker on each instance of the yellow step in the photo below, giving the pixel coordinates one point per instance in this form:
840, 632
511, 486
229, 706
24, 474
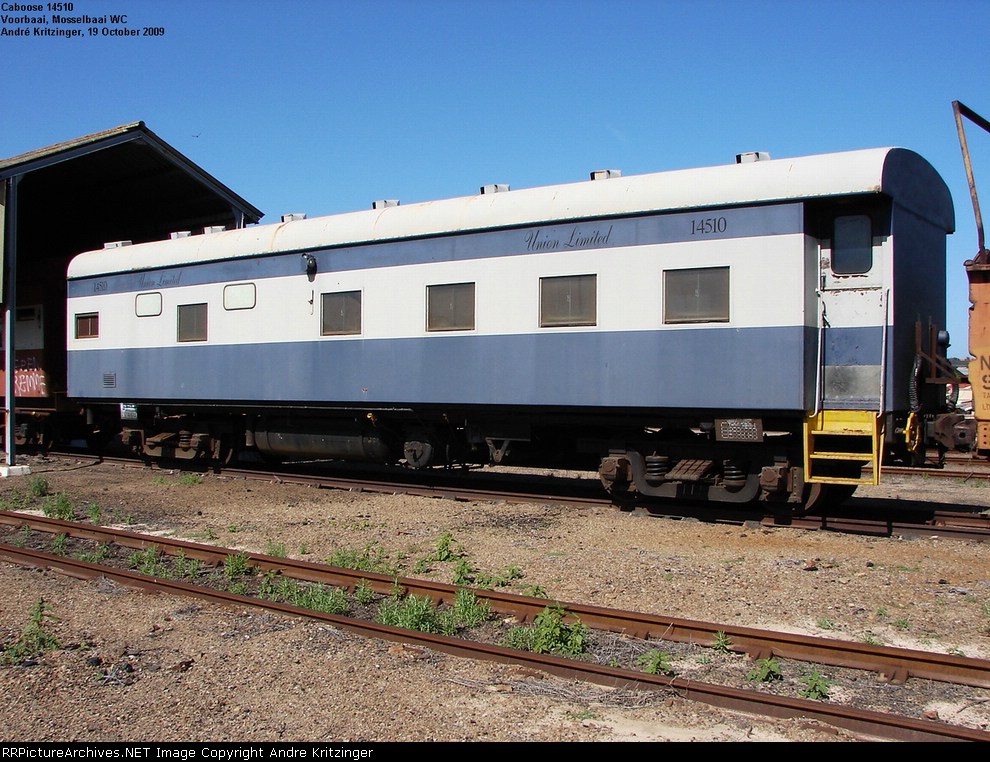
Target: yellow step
862, 430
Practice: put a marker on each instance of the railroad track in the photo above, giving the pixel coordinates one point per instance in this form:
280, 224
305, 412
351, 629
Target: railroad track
895, 665
577, 492
583, 492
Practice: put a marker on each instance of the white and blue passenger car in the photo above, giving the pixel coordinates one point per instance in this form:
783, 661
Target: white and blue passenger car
740, 332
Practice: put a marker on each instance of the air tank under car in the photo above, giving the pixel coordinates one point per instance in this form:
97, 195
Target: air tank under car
291, 438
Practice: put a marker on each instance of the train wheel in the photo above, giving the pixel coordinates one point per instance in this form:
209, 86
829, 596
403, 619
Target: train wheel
822, 497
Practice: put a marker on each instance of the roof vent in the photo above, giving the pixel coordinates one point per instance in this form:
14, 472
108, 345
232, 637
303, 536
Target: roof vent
180, 234
293, 217
214, 229
116, 244
605, 174
384, 203
486, 189
747, 158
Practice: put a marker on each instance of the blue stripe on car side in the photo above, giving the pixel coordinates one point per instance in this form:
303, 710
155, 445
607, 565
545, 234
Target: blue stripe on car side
756, 368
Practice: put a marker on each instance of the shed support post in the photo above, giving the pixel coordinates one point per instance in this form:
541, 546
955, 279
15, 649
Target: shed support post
9, 319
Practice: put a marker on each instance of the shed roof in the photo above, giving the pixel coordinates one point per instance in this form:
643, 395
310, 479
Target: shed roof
124, 183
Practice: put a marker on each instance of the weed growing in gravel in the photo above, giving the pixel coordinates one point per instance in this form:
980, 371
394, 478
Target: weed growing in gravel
415, 612
58, 544
329, 599
363, 593
766, 671
824, 623
446, 550
39, 486
463, 572
902, 624
97, 556
276, 549
58, 507
237, 565
186, 568
332, 600
534, 591
15, 501
872, 640
549, 634
95, 512
722, 643
420, 613
149, 562
269, 585
184, 480
656, 662
490, 581
816, 686
582, 716
35, 639
23, 537
326, 598
466, 574
468, 611
373, 558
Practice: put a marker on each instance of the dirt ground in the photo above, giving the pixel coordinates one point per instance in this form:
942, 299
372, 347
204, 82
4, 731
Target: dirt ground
156, 668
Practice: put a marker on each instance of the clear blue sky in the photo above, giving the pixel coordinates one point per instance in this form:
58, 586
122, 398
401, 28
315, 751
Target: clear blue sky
321, 106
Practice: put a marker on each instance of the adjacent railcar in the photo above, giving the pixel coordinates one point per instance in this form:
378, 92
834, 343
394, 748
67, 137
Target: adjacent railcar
735, 333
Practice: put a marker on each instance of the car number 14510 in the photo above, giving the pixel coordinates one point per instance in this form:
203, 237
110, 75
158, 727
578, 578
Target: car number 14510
708, 225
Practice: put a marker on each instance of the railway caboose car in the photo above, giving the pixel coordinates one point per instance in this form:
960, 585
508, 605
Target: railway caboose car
735, 333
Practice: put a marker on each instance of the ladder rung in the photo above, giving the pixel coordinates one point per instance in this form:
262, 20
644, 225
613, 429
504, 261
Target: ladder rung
841, 433
840, 480
864, 456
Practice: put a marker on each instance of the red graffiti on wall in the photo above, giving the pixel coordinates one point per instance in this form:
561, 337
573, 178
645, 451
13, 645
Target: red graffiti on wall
30, 377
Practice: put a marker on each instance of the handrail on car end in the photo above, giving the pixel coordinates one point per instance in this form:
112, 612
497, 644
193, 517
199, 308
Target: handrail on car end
960, 110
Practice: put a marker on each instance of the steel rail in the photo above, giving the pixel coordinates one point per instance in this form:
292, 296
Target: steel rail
975, 529
895, 665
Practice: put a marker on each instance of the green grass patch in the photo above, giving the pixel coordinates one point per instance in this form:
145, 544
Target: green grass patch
58, 506
372, 558
150, 563
98, 556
